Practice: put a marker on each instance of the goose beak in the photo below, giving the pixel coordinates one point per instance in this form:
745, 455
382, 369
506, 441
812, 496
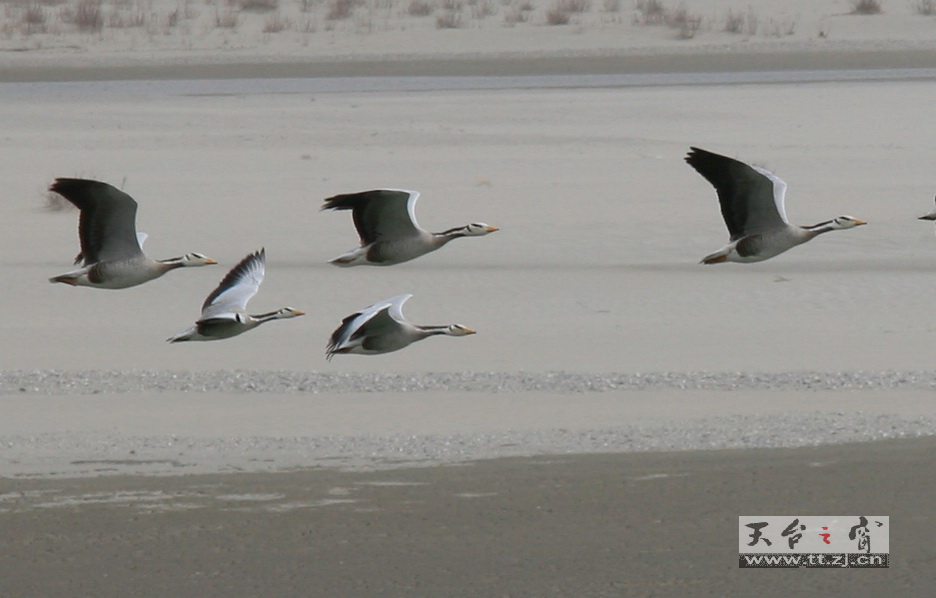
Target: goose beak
930, 216
298, 313
859, 222
470, 331
492, 229
210, 262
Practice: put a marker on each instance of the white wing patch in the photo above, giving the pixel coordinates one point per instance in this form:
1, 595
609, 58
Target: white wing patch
779, 191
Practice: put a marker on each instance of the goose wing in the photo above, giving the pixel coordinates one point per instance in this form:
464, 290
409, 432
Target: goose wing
381, 213
380, 318
107, 225
237, 287
751, 198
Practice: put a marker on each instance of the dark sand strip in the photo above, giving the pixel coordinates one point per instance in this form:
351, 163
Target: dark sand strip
651, 524
719, 60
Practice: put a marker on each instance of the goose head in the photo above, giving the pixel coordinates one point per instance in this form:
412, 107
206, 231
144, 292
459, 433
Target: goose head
843, 222
477, 229
457, 330
195, 259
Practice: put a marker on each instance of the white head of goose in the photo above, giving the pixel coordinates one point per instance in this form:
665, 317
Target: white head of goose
386, 223
382, 328
752, 201
224, 312
111, 254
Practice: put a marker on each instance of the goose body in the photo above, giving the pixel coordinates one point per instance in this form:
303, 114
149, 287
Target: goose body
111, 254
385, 220
224, 312
752, 205
382, 328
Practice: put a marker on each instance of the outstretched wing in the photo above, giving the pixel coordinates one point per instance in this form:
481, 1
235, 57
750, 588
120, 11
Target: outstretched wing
751, 198
237, 287
379, 318
107, 225
388, 213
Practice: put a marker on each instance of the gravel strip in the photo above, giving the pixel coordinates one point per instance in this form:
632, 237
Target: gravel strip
44, 455
243, 381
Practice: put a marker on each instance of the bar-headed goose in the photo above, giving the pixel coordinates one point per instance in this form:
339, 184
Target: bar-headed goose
111, 256
386, 223
224, 312
382, 328
751, 201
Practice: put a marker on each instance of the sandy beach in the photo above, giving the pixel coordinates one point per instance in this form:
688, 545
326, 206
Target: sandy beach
620, 405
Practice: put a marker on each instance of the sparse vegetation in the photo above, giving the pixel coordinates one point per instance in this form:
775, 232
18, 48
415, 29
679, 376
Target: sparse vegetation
226, 19
555, 16
339, 10
275, 23
926, 8
573, 6
734, 22
236, 20
650, 12
35, 19
259, 5
866, 7
86, 16
449, 19
419, 8
653, 12
481, 9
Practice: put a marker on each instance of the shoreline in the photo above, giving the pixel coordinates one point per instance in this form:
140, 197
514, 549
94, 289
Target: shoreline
210, 65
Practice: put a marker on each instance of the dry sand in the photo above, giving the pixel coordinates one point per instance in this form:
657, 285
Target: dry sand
598, 330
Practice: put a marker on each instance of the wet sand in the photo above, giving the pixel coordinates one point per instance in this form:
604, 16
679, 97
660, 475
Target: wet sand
652, 524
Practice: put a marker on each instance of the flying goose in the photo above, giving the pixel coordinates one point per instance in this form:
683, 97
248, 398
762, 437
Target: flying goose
111, 254
930, 216
386, 223
751, 201
224, 311
382, 328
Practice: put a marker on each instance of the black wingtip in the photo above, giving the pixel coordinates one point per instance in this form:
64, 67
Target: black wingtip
66, 184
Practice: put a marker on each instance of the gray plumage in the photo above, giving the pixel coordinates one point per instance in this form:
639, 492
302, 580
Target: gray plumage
385, 220
382, 328
752, 206
111, 254
224, 312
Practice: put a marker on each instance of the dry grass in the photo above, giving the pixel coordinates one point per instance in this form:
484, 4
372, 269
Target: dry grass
276, 23
573, 6
227, 18
926, 8
654, 12
650, 12
480, 9
258, 5
449, 19
86, 16
340, 10
866, 7
555, 16
419, 8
